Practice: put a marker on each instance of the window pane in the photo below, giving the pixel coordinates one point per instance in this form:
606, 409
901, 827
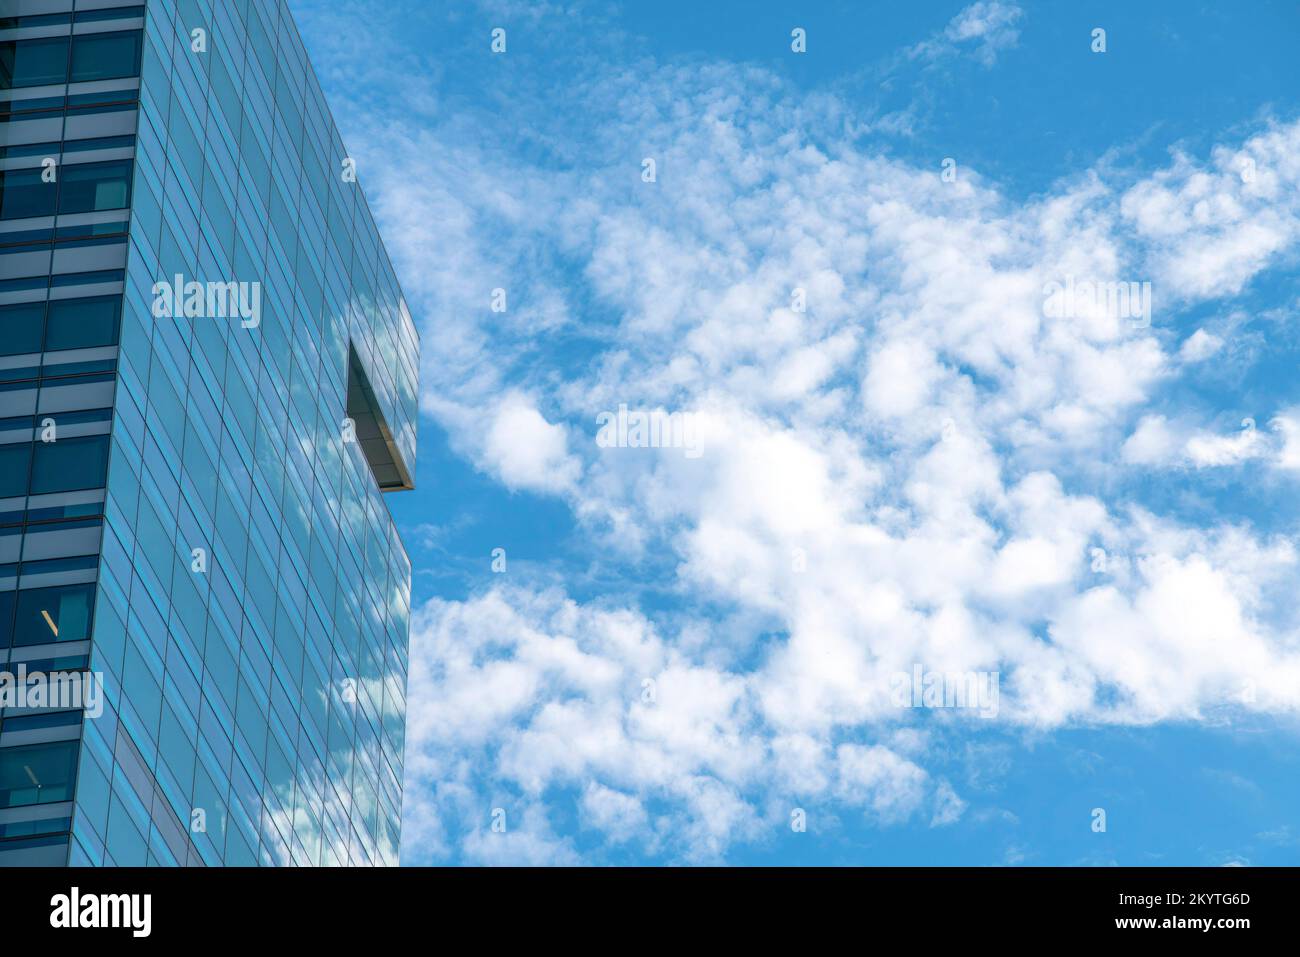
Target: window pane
39, 774
14, 461
94, 186
82, 323
6, 617
22, 194
36, 852
70, 464
105, 56
20, 328
54, 614
33, 62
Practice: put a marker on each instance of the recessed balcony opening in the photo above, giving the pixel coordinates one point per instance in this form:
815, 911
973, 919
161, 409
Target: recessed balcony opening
372, 431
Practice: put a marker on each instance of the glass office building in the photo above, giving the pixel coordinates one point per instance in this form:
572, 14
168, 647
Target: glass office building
207, 385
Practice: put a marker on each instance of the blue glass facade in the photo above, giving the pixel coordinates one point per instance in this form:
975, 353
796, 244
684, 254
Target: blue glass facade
207, 385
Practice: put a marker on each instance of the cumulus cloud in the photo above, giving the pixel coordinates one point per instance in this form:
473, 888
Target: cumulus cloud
1200, 346
1288, 424
1160, 443
525, 450
1211, 227
534, 689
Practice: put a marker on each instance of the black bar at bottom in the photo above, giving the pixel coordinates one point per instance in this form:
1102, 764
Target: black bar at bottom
232, 907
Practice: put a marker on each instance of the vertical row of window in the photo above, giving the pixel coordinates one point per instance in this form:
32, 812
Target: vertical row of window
41, 774
69, 464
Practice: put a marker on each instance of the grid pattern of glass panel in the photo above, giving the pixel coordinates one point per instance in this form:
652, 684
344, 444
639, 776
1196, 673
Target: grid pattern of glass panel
251, 601
67, 124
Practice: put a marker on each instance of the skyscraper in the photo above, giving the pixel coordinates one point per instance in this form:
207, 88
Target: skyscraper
208, 381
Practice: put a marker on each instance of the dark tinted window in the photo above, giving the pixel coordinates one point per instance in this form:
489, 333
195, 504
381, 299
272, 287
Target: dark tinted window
20, 328
38, 774
82, 323
54, 614
22, 194
6, 617
105, 56
94, 186
33, 62
15, 460
67, 465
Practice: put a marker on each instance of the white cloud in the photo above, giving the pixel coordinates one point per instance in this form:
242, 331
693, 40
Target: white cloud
620, 816
1211, 228
986, 28
1206, 451
892, 788
526, 451
948, 806
527, 842
1288, 423
1159, 443
1200, 346
1153, 442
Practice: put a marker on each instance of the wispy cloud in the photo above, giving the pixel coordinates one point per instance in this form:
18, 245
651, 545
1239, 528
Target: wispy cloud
983, 30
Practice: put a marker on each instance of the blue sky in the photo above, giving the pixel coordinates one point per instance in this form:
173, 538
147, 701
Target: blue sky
906, 458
